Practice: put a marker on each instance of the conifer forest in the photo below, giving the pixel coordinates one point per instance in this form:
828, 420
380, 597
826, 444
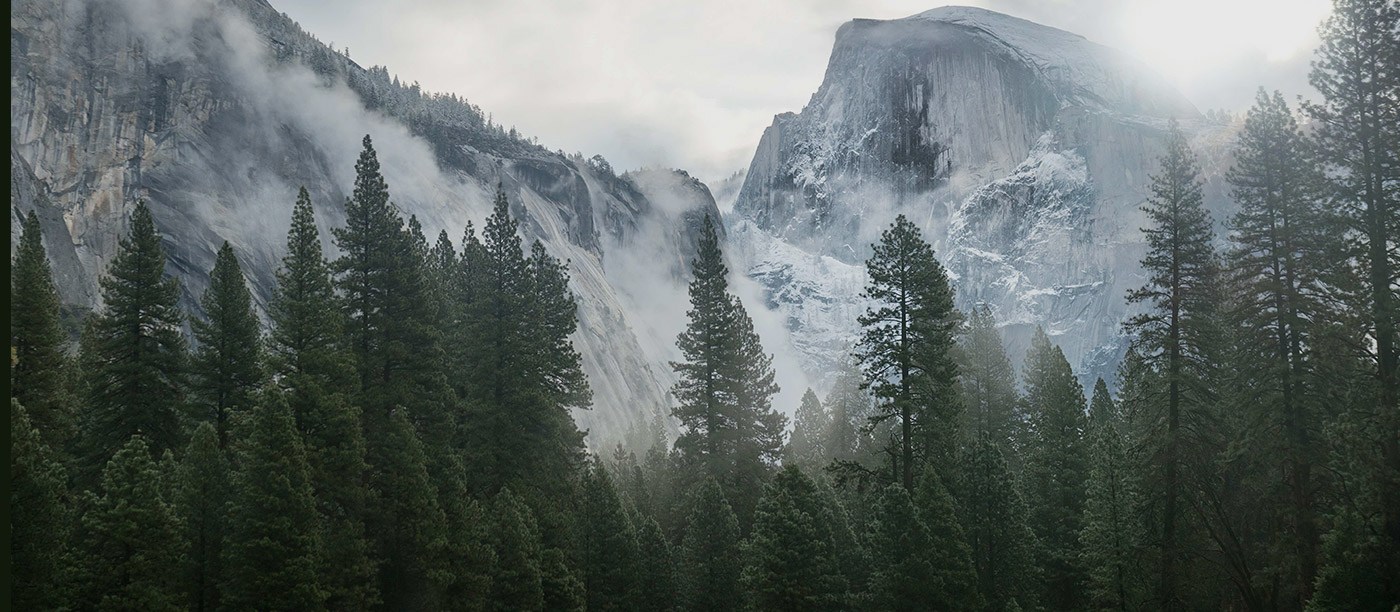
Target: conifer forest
394, 429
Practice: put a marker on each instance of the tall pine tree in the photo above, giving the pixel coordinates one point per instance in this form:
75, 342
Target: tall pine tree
907, 338
994, 517
134, 354
805, 446
987, 383
1111, 533
607, 545
1056, 467
710, 561
201, 498
38, 361
40, 521
1176, 336
227, 366
791, 557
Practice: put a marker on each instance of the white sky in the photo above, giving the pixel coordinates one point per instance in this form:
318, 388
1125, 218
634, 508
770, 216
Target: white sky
692, 85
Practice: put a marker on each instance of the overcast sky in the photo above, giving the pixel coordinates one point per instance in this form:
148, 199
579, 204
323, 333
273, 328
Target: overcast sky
692, 84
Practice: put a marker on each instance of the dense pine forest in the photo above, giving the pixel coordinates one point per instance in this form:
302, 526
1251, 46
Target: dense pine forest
396, 434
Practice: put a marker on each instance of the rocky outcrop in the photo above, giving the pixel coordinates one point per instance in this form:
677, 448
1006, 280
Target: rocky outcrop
215, 111
1022, 151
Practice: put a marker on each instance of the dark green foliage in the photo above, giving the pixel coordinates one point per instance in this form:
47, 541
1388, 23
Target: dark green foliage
313, 368
133, 552
608, 549
202, 492
1357, 72
725, 387
1277, 270
518, 317
905, 349
846, 439
562, 589
39, 519
134, 352
806, 446
994, 517
273, 547
987, 383
405, 520
656, 565
1111, 533
516, 576
709, 562
37, 341
791, 558
1177, 336
227, 364
1056, 467
911, 571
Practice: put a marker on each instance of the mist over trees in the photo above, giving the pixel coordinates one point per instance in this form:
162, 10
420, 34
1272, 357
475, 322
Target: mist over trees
398, 434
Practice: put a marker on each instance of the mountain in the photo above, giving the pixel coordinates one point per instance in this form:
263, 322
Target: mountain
215, 111
1022, 151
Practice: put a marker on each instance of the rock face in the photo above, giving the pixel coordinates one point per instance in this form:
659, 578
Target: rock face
215, 111
1022, 151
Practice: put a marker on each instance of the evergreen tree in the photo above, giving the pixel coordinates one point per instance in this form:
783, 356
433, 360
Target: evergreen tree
518, 317
910, 573
312, 367
710, 561
1056, 467
1175, 336
849, 405
469, 553
1357, 71
273, 550
515, 581
810, 425
725, 386
987, 383
406, 518
133, 554
201, 498
657, 567
997, 529
905, 349
608, 549
561, 587
791, 558
951, 557
134, 356
1111, 532
227, 365
37, 340
39, 519
1277, 275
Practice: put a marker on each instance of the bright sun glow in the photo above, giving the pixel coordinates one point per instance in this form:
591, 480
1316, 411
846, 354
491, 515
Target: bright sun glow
1185, 38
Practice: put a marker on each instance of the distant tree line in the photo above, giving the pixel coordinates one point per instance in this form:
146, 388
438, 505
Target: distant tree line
400, 436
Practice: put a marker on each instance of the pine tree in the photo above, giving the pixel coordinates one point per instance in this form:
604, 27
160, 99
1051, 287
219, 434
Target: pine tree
133, 551
274, 549
515, 581
1111, 532
657, 566
725, 386
202, 491
39, 519
1357, 71
518, 317
791, 561
1056, 467
987, 383
1176, 336
1277, 275
37, 340
562, 588
994, 516
227, 364
849, 405
134, 354
909, 573
952, 558
607, 545
810, 425
312, 367
406, 518
709, 561
905, 348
